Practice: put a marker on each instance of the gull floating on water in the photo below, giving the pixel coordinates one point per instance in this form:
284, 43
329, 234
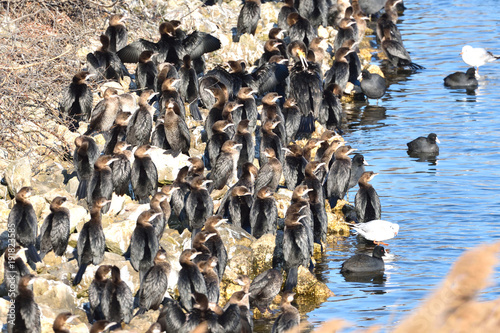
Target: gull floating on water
477, 56
376, 230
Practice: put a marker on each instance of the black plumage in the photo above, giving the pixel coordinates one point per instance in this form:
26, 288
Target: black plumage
177, 201
176, 129
159, 204
144, 243
287, 9
239, 206
117, 33
388, 20
300, 29
331, 107
199, 204
462, 80
141, 124
76, 101
214, 145
23, 217
104, 63
211, 279
91, 241
54, 233
121, 168
215, 245
248, 108
271, 76
117, 300
101, 183
26, 311
171, 317
292, 116
345, 31
270, 142
146, 75
95, 291
362, 263
316, 202
396, 52
248, 19
264, 288
247, 178
105, 112
270, 173
293, 166
244, 137
339, 72
215, 113
271, 111
426, 145
339, 175
14, 269
358, 163
190, 279
117, 132
264, 213
373, 85
144, 175
169, 93
367, 202
225, 169
189, 88
289, 319
84, 158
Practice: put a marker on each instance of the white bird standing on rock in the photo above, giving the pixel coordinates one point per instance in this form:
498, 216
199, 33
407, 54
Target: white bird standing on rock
376, 230
477, 56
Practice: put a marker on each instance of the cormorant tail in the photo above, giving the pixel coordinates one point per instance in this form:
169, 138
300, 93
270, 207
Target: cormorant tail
291, 278
79, 275
140, 312
194, 110
32, 254
81, 192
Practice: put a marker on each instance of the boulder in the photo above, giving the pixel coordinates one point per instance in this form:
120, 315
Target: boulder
17, 175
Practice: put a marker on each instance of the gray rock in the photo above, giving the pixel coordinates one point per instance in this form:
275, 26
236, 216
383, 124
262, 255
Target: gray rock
18, 174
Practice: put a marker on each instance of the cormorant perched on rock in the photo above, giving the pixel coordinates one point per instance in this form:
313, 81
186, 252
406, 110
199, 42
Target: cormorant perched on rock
171, 317
225, 169
211, 279
155, 283
117, 33
293, 166
388, 20
146, 74
159, 204
248, 19
296, 247
220, 135
316, 202
345, 31
91, 241
426, 145
23, 217
264, 213
177, 201
76, 101
367, 202
215, 244
300, 29
190, 279
118, 131
289, 318
168, 93
199, 204
339, 72
54, 233
215, 113
95, 292
248, 110
121, 168
14, 269
362, 263
331, 107
292, 116
339, 175
104, 63
117, 300
144, 243
358, 163
240, 202
396, 52
270, 142
270, 173
26, 311
264, 288
105, 112
244, 137
61, 320
144, 176
189, 87
84, 158
141, 124
286, 10
101, 184
176, 129
166, 71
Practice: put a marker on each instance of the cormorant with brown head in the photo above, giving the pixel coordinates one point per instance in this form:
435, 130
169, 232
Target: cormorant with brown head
331, 108
244, 137
61, 320
292, 116
101, 184
211, 279
270, 141
118, 131
396, 52
358, 163
225, 168
327, 138
198, 243
289, 319
14, 268
306, 85
166, 71
215, 244
264, 213
144, 243
328, 159
54, 233
26, 311
248, 110
176, 129
91, 241
201, 316
240, 202
271, 48
286, 10
140, 125
300, 29
76, 102
158, 205
101, 326
293, 166
240, 76
247, 178
121, 168
296, 247
189, 88
227, 114
95, 291
158, 137
146, 73
215, 113
300, 203
105, 64
214, 145
105, 112
248, 19
169, 92
199, 205
84, 158
316, 203
264, 289
117, 32
339, 175
144, 175
155, 283
367, 202
171, 317
177, 201
271, 111
117, 299
23, 217
190, 279
310, 145
339, 72
270, 173
389, 20
362, 263
196, 167
347, 29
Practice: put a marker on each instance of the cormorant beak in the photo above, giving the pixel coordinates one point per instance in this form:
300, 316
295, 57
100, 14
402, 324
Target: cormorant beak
437, 140
123, 19
152, 95
373, 176
209, 91
194, 255
206, 182
89, 76
247, 193
302, 58
220, 222
32, 281
153, 216
360, 76
237, 106
276, 98
351, 23
319, 166
170, 105
71, 318
286, 150
238, 145
275, 124
350, 151
277, 44
210, 235
112, 160
109, 326
308, 190
252, 92
173, 189
301, 217
319, 143
228, 125
107, 201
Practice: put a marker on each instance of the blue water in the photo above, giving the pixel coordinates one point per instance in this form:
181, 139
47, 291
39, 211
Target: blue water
443, 207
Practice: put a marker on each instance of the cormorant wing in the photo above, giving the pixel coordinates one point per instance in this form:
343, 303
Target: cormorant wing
395, 49
184, 130
264, 176
67, 100
126, 301
98, 110
171, 316
197, 43
131, 52
62, 230
97, 242
94, 295
230, 319
31, 316
360, 205
268, 76
137, 241
83, 238
221, 171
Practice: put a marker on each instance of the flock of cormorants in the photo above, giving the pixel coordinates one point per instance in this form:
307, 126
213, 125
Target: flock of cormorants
171, 80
